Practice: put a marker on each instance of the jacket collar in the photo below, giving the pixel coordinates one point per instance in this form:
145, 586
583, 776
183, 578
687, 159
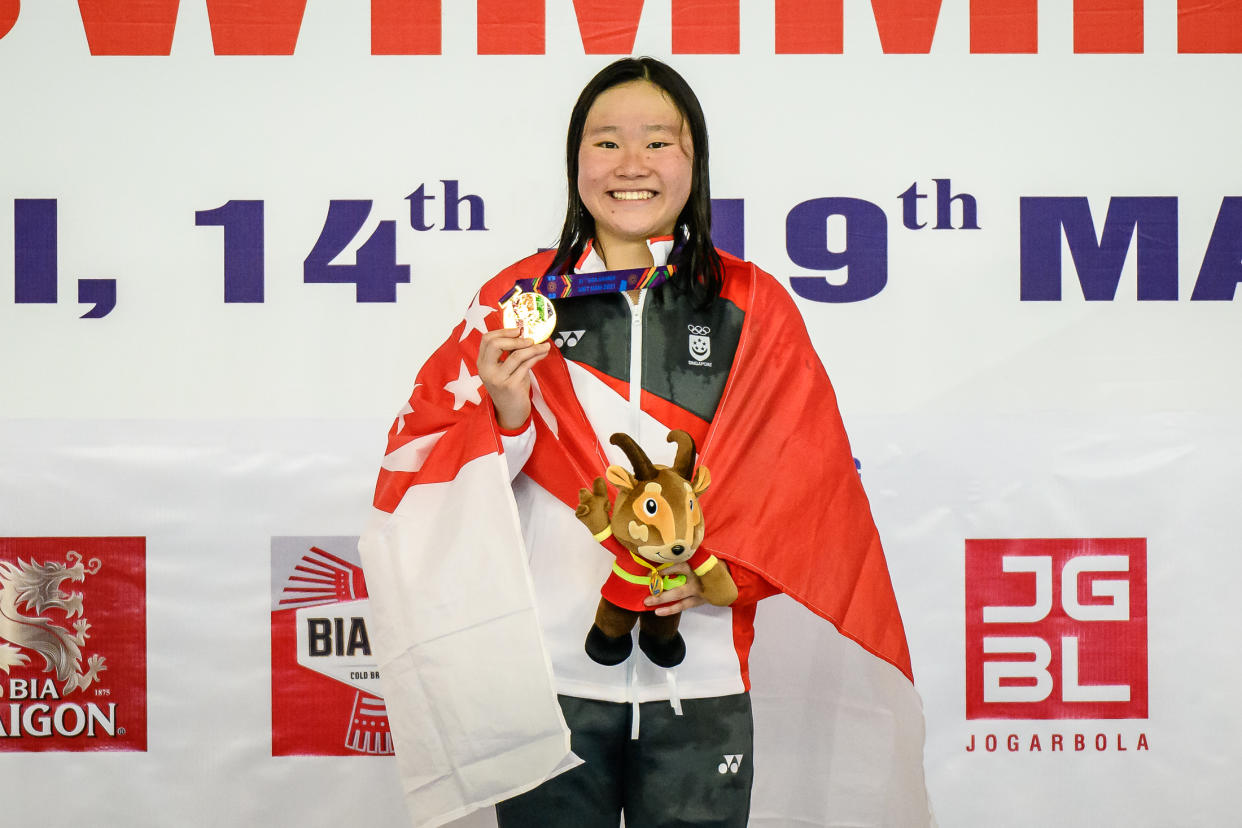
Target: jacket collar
592, 262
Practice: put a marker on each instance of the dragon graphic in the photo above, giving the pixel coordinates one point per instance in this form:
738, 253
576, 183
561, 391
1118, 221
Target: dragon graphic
36, 588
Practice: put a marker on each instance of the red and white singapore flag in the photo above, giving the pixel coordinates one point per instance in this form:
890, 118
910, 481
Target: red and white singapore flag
466, 676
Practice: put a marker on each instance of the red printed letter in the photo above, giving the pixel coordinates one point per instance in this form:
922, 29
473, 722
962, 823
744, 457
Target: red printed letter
809, 27
1004, 26
706, 27
906, 26
243, 27
118, 27
1205, 28
608, 26
405, 27
511, 27
1108, 26
9, 10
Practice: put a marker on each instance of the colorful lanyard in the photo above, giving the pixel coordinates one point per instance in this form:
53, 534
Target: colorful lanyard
563, 286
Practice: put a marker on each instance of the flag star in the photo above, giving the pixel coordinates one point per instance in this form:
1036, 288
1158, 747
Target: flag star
465, 389
476, 317
406, 409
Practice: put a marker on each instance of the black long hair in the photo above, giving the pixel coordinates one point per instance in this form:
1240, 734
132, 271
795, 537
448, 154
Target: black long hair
699, 269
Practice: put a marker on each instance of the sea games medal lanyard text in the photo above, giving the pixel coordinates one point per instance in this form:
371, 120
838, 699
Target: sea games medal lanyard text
528, 306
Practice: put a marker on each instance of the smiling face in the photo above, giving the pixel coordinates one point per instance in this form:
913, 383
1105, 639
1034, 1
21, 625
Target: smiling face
634, 170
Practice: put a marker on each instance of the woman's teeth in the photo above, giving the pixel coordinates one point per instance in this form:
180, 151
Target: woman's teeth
632, 195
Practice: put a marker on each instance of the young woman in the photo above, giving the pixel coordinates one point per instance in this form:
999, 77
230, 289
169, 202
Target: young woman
639, 196
718, 351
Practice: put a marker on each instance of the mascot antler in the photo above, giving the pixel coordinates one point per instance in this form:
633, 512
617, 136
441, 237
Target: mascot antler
644, 469
684, 464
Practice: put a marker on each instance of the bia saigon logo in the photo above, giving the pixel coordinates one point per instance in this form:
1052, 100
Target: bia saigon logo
1055, 630
325, 684
73, 666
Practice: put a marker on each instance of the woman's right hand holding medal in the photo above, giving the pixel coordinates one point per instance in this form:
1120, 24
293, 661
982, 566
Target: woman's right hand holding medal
505, 360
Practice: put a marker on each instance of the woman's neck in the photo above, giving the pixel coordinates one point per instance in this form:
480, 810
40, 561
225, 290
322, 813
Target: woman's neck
619, 255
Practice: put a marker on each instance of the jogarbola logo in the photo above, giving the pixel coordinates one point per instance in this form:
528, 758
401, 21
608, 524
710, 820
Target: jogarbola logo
700, 345
58, 689
321, 652
1056, 631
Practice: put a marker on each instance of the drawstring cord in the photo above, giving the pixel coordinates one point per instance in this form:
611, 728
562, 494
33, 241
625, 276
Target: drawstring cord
631, 692
674, 698
631, 682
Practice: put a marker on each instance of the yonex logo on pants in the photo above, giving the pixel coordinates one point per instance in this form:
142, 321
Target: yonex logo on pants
730, 764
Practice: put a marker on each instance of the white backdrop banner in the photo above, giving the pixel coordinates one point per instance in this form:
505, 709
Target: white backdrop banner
231, 231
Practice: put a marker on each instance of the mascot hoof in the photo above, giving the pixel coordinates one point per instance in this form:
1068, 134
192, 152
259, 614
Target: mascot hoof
604, 649
663, 652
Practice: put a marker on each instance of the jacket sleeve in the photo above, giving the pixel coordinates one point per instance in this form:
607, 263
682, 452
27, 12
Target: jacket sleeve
751, 586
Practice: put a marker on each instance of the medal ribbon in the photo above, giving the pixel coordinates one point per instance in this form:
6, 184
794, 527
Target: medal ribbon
656, 581
564, 285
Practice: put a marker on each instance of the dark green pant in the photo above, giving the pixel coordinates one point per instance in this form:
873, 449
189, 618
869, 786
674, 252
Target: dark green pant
682, 771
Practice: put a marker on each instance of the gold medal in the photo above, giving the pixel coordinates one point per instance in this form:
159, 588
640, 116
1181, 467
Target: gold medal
532, 314
656, 583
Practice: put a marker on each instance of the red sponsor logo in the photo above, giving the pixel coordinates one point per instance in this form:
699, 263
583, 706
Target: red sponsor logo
325, 683
73, 644
1056, 629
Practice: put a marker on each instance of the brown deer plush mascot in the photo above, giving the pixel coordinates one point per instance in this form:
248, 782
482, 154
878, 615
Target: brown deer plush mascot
658, 521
